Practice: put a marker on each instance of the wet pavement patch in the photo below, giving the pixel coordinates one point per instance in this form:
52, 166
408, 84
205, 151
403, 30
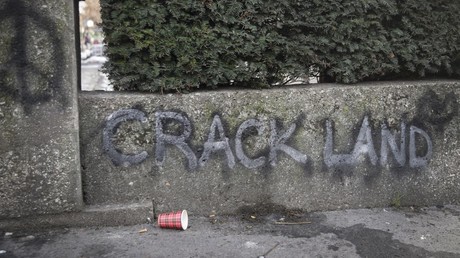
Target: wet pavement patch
368, 242
333, 247
97, 250
263, 212
378, 243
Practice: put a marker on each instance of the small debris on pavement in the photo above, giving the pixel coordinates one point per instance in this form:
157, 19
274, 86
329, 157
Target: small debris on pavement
27, 238
250, 244
142, 230
424, 237
269, 251
154, 210
213, 214
7, 234
212, 217
2, 252
150, 222
253, 217
292, 223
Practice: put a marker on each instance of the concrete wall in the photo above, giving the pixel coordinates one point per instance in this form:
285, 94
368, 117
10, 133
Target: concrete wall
310, 148
39, 145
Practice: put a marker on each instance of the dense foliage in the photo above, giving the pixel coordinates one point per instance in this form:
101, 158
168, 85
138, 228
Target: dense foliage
181, 45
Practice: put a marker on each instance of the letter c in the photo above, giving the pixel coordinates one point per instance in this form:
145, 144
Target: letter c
111, 126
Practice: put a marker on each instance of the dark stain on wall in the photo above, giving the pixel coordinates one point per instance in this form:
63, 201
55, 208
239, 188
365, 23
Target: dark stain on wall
437, 111
25, 82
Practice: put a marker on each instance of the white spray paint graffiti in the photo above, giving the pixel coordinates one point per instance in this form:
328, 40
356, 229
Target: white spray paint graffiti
211, 145
415, 161
180, 141
218, 142
112, 124
278, 143
364, 146
244, 159
389, 140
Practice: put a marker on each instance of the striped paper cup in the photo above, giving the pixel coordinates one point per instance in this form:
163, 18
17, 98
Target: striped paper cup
173, 220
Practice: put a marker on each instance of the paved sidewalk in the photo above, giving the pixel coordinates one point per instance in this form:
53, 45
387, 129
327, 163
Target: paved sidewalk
405, 232
92, 78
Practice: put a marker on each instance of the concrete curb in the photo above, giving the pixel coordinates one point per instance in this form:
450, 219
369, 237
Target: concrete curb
97, 215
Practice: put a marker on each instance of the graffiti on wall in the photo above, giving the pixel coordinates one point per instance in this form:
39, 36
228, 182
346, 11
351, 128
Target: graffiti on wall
399, 150
19, 69
364, 146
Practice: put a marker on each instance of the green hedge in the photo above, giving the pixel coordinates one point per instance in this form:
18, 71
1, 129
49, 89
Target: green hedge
181, 45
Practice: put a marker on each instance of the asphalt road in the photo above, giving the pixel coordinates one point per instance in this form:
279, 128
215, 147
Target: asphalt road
390, 232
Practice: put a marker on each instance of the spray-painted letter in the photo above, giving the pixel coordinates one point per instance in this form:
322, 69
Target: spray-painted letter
278, 143
414, 161
364, 144
111, 126
178, 140
331, 159
390, 139
247, 162
211, 145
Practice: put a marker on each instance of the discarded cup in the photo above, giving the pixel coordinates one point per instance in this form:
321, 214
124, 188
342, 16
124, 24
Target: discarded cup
173, 220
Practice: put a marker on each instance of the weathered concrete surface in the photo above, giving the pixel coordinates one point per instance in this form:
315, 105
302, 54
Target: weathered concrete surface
309, 148
379, 233
39, 145
90, 216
